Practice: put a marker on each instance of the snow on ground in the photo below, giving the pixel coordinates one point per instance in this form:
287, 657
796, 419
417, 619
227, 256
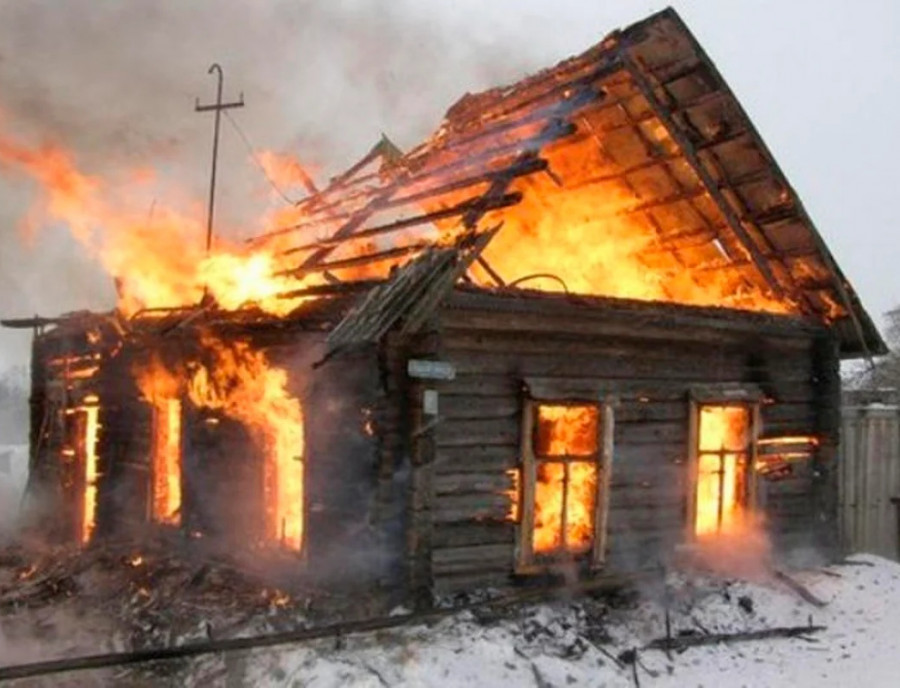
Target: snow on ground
576, 643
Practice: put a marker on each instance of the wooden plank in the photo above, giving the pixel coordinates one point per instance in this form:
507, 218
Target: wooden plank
798, 413
652, 411
455, 407
482, 203
650, 456
498, 557
496, 431
648, 475
592, 389
454, 508
783, 428
637, 554
463, 483
788, 489
476, 459
502, 341
646, 320
697, 369
465, 534
446, 584
663, 499
651, 433
481, 385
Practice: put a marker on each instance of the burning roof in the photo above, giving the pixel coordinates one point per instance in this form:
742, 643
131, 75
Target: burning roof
630, 171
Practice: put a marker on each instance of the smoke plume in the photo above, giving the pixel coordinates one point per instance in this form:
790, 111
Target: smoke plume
115, 84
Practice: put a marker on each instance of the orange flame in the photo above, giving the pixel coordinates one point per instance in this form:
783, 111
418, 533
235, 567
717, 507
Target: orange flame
722, 469
241, 383
91, 426
585, 234
565, 491
811, 440
157, 258
166, 463
162, 389
572, 232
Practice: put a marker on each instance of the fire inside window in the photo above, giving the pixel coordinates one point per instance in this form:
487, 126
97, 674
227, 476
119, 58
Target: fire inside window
564, 486
166, 462
87, 429
723, 459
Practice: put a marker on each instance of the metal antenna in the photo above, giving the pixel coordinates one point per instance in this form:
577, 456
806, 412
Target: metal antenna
218, 107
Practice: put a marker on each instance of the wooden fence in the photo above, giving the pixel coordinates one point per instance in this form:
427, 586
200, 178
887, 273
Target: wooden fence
869, 479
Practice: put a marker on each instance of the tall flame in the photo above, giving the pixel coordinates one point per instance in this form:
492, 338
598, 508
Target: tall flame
91, 426
157, 256
166, 461
162, 389
241, 383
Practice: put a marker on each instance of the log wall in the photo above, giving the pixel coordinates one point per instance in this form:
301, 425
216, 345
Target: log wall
650, 358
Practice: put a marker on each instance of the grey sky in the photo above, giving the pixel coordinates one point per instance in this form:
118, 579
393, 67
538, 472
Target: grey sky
116, 83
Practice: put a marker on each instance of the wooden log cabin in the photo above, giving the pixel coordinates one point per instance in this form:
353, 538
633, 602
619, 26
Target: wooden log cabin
585, 324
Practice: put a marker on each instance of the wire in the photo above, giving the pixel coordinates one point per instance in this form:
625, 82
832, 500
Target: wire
540, 275
252, 153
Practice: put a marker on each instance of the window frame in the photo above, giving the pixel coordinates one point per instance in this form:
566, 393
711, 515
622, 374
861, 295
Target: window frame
527, 560
747, 396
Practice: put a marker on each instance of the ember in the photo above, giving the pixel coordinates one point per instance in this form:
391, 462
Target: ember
26, 573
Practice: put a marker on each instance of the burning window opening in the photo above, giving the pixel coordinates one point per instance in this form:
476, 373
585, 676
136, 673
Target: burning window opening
565, 460
240, 381
162, 390
166, 462
723, 461
776, 456
88, 424
235, 380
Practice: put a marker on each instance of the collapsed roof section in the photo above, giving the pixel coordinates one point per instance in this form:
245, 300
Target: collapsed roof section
629, 171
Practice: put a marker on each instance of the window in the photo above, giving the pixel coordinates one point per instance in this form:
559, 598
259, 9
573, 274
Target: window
566, 461
722, 457
165, 460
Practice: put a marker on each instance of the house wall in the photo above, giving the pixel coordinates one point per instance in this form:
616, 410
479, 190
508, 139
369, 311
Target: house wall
649, 358
52, 499
354, 504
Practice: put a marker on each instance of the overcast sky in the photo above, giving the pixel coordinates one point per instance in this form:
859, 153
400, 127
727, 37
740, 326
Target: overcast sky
116, 82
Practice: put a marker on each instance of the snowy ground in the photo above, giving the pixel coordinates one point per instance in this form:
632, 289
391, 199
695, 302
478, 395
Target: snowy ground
574, 643
581, 642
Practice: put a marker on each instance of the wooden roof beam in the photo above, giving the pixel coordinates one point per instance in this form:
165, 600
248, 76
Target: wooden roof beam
355, 261
690, 155
477, 202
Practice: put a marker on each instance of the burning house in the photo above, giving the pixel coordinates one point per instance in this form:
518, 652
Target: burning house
586, 324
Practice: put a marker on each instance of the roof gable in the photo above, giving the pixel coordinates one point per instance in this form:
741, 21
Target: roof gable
629, 171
